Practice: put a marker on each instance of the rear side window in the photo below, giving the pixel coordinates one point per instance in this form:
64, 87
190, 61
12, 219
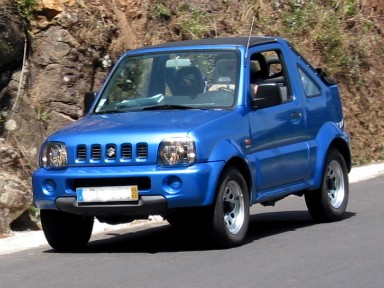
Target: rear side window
310, 87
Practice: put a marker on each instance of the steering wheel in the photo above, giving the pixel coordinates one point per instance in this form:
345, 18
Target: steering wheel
226, 90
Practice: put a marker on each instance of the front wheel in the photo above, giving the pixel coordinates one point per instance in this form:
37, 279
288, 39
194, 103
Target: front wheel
329, 202
64, 231
231, 209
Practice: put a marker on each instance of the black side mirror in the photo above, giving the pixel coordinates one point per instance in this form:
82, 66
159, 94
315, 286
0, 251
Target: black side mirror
323, 75
267, 95
89, 98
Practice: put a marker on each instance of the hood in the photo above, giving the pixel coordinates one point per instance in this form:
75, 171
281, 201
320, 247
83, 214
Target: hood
132, 124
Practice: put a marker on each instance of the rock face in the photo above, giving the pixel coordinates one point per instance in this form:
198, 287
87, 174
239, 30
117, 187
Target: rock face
15, 198
67, 54
15, 195
11, 51
11, 41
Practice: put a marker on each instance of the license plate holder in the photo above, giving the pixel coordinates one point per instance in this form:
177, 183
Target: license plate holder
107, 194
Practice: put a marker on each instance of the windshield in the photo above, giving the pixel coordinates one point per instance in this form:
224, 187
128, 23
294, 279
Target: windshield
186, 80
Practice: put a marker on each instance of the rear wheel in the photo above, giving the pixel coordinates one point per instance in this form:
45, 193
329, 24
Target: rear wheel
230, 216
329, 202
64, 231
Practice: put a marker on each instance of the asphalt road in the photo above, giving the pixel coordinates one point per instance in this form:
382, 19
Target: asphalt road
284, 248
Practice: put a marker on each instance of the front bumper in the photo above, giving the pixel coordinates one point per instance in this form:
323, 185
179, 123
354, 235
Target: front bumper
147, 205
160, 189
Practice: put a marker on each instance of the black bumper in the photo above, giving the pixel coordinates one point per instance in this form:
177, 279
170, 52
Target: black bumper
147, 205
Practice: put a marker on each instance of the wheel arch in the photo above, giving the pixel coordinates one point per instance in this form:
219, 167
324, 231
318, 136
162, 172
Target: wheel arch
231, 153
330, 137
242, 165
343, 148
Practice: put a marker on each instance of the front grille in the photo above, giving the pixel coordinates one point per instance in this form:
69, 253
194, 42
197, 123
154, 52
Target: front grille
111, 152
142, 150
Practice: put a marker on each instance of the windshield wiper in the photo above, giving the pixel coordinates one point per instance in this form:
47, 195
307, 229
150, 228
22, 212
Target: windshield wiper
109, 112
113, 111
168, 107
156, 107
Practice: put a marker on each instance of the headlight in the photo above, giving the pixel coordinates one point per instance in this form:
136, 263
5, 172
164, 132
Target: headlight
177, 151
54, 155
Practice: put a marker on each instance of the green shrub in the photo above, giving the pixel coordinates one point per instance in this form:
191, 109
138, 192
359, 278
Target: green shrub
162, 12
196, 25
27, 8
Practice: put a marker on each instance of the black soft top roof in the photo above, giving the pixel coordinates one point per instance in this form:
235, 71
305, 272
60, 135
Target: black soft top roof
239, 41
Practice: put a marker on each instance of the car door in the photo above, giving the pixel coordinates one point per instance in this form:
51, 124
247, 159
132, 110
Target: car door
278, 136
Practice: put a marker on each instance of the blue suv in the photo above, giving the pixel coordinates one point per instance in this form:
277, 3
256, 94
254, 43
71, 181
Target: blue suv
197, 131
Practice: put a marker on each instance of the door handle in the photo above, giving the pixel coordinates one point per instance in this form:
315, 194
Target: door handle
296, 117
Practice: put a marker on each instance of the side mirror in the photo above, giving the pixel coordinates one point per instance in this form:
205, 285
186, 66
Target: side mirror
267, 95
89, 98
327, 80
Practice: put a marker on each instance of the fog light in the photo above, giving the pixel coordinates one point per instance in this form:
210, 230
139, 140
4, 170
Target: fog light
173, 182
49, 186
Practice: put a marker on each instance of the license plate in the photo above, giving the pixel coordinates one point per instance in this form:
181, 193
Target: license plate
107, 194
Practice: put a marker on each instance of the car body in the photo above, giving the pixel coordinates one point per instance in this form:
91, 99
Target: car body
197, 131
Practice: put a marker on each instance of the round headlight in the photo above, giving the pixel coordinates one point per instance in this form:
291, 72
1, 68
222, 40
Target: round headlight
177, 151
54, 155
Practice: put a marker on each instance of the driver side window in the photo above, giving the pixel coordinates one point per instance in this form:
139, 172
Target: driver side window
266, 67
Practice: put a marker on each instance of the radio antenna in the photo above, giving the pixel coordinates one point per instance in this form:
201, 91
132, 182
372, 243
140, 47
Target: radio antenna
249, 36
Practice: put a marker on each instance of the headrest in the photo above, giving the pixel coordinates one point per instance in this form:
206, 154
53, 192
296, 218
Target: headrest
225, 71
261, 72
189, 81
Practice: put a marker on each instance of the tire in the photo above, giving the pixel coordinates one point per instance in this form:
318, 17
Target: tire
187, 218
329, 202
230, 217
66, 232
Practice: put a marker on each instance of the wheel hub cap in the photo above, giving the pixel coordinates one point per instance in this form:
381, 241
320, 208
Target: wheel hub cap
233, 207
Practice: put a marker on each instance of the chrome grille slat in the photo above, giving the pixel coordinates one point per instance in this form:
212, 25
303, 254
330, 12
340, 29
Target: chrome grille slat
96, 152
81, 154
126, 152
142, 150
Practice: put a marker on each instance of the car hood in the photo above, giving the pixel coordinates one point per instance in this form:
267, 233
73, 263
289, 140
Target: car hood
138, 123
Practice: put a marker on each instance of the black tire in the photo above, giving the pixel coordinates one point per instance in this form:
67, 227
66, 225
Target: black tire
230, 217
187, 218
329, 202
66, 232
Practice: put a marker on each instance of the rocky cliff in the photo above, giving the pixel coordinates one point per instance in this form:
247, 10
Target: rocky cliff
53, 51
